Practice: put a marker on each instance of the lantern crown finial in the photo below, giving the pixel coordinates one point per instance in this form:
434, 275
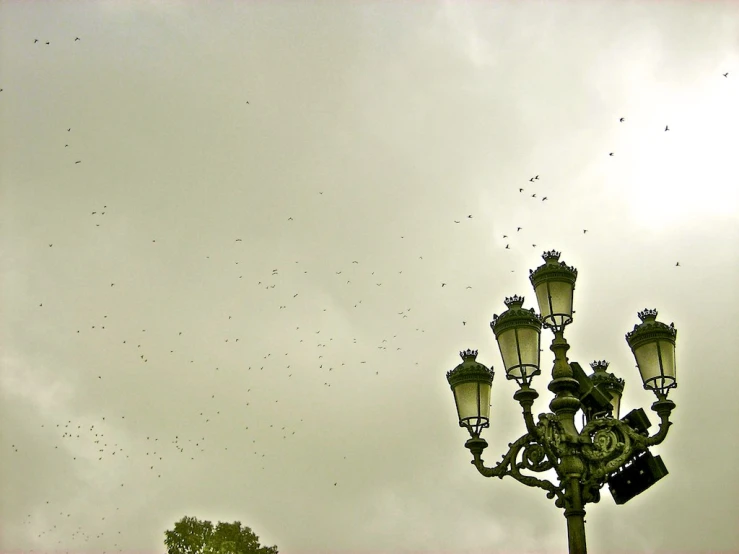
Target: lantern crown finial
647, 314
599, 365
468, 354
514, 301
551, 255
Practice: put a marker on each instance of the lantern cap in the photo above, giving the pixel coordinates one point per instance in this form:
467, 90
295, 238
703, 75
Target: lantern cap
515, 316
469, 370
649, 329
553, 269
607, 379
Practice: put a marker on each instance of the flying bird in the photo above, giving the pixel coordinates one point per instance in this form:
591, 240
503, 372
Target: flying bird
621, 120
677, 264
520, 190
543, 199
610, 154
584, 231
505, 236
238, 240
464, 323
443, 284
536, 177
76, 39
78, 162
519, 229
667, 128
533, 195
455, 221
35, 41
469, 217
507, 247
532, 179
726, 74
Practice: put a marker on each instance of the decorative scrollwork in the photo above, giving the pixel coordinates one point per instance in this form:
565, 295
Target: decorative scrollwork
607, 444
534, 458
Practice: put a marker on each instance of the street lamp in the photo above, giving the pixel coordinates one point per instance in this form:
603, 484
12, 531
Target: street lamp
607, 450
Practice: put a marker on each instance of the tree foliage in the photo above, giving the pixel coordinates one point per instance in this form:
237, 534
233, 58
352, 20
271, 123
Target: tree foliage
192, 536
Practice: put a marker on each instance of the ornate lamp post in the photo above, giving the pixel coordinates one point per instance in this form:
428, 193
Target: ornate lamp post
608, 450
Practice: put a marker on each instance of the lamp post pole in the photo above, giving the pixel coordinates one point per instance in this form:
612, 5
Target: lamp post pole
607, 450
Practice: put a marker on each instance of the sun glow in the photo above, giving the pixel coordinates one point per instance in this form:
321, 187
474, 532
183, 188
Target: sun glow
685, 175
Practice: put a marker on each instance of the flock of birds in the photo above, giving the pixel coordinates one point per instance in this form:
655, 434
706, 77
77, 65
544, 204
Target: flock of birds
92, 442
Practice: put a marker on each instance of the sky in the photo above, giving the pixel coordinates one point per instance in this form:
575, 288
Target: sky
243, 242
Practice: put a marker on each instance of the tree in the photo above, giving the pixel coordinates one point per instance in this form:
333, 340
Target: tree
192, 536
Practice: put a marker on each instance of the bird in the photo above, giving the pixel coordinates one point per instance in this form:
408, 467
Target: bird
238, 240
47, 43
112, 284
621, 120
543, 199
443, 284
76, 39
35, 40
505, 236
455, 221
610, 153
520, 190
677, 264
533, 195
533, 245
584, 231
469, 217
464, 323
78, 162
51, 245
667, 127
726, 74
532, 179
519, 229
469, 287
70, 127
507, 247
536, 177
289, 218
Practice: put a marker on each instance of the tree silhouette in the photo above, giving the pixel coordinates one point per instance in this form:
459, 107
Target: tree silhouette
192, 536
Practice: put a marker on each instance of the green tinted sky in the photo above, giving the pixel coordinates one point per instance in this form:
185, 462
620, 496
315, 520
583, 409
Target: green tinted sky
370, 129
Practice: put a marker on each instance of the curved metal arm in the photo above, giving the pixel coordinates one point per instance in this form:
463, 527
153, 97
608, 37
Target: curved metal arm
663, 407
508, 465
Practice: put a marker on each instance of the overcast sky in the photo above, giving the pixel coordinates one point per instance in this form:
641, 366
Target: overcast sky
225, 227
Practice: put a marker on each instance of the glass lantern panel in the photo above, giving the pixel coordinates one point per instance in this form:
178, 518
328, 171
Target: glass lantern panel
561, 301
466, 396
667, 353
542, 298
616, 403
485, 400
648, 362
508, 348
528, 343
